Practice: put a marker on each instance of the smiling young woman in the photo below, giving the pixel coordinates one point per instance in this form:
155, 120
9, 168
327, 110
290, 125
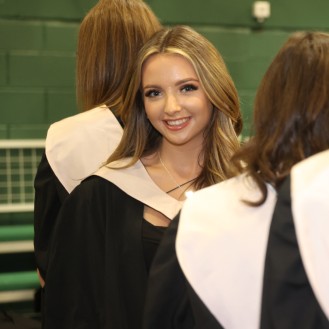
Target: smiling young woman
178, 108
182, 120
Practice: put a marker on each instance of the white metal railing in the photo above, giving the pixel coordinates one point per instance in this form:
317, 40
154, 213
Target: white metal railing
19, 160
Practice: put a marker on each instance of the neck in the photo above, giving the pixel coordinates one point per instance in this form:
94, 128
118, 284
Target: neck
179, 182
181, 161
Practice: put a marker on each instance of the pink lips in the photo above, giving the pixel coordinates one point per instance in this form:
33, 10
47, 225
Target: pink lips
177, 124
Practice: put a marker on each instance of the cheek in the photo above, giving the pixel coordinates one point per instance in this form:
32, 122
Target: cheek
152, 109
203, 106
207, 110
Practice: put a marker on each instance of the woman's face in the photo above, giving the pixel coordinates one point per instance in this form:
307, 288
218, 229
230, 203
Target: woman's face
174, 100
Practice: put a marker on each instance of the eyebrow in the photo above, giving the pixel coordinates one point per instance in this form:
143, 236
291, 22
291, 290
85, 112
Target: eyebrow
180, 82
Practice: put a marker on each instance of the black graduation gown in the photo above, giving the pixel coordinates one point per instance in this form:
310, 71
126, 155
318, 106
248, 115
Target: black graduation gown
65, 164
96, 276
288, 301
170, 301
49, 196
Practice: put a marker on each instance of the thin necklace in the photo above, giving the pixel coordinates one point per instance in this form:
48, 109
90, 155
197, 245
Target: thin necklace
172, 177
175, 188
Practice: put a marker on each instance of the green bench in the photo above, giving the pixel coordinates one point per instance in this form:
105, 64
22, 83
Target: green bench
19, 281
16, 232
16, 238
18, 286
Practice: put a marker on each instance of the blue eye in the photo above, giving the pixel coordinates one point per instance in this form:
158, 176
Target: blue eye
152, 93
187, 88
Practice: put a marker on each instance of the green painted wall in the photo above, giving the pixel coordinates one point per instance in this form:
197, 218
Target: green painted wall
38, 40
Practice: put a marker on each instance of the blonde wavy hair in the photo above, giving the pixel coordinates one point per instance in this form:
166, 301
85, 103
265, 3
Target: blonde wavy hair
140, 138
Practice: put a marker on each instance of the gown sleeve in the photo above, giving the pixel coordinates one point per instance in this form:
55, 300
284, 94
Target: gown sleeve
49, 196
170, 300
75, 281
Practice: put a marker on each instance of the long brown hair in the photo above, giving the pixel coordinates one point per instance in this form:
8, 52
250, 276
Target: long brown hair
140, 138
109, 39
291, 111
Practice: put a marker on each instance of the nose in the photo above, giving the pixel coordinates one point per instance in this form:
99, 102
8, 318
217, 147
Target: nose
172, 104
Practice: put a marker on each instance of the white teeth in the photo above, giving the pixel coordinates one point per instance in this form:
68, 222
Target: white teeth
177, 122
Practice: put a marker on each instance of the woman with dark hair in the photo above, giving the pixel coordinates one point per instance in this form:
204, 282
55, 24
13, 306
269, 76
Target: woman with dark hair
229, 260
